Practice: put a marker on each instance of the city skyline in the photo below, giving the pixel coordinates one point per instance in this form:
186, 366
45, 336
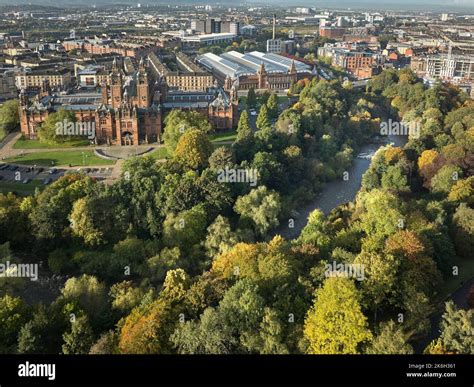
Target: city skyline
460, 6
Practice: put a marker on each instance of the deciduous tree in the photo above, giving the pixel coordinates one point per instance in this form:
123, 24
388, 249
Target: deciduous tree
193, 149
335, 323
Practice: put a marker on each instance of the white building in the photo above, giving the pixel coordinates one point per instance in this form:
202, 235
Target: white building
248, 30
208, 38
450, 67
303, 10
274, 46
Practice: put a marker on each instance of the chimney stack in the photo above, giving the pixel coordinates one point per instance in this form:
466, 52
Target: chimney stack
274, 26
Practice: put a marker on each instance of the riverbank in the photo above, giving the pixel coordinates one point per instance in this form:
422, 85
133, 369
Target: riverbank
339, 191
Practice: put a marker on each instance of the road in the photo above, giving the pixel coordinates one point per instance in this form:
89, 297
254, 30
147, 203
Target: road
11, 173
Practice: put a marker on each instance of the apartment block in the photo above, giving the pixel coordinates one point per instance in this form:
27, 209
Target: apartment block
189, 77
450, 66
36, 78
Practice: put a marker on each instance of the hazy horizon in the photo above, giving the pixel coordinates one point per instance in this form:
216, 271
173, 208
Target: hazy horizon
419, 5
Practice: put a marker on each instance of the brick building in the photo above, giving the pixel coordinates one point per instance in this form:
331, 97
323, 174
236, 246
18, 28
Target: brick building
127, 109
187, 77
57, 77
332, 32
124, 113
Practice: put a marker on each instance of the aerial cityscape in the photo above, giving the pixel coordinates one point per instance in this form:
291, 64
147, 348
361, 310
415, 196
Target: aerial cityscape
237, 178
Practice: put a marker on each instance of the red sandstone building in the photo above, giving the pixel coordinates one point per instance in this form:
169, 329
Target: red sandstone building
96, 48
124, 113
129, 109
332, 32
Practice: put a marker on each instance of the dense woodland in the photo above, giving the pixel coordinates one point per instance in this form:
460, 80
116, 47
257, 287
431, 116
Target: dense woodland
169, 260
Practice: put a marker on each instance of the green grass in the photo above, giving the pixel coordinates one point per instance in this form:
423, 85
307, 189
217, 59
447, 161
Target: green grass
24, 143
159, 153
20, 188
282, 98
223, 136
60, 158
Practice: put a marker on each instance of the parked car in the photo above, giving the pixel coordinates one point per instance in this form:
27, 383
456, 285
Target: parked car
47, 181
52, 171
26, 181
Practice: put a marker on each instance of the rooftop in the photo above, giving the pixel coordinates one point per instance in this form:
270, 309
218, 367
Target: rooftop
234, 63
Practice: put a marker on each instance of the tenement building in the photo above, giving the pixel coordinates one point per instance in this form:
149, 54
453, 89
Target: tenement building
187, 77
58, 77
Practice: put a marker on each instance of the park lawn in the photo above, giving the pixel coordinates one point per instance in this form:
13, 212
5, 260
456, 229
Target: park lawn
20, 188
60, 158
223, 136
159, 153
24, 143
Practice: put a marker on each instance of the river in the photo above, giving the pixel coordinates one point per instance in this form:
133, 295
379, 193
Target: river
338, 191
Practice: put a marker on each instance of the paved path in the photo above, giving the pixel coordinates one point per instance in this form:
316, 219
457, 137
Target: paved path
116, 171
6, 146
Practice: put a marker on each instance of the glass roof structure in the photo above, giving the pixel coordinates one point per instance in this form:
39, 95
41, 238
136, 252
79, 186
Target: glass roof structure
235, 64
